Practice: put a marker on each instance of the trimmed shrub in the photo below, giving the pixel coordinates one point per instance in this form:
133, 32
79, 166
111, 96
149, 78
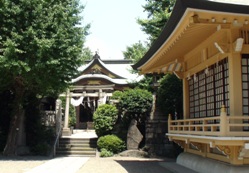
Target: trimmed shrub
104, 119
105, 153
117, 95
135, 104
111, 143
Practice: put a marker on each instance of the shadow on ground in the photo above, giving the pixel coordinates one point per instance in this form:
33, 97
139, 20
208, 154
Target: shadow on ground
24, 158
144, 166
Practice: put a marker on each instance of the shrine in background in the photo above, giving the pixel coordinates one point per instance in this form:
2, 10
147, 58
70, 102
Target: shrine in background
94, 86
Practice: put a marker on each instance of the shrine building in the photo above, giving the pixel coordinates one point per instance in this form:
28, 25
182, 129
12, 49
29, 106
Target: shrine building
206, 44
94, 86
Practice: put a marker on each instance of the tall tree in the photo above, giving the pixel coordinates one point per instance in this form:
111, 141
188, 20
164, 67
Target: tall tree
158, 14
87, 54
135, 52
170, 95
170, 88
40, 50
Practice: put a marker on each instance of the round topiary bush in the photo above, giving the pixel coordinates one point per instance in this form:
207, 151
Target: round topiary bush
104, 119
111, 143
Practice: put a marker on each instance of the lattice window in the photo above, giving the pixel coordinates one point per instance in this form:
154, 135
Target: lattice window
208, 90
245, 85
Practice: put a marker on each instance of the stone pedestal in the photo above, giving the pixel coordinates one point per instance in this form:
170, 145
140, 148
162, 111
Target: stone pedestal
66, 132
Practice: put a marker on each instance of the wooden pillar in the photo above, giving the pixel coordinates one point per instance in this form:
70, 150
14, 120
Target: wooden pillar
185, 99
223, 121
235, 85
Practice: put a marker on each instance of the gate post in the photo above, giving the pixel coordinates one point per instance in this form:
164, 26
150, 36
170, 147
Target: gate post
66, 131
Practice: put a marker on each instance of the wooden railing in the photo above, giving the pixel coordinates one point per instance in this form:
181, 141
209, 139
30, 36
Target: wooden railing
222, 125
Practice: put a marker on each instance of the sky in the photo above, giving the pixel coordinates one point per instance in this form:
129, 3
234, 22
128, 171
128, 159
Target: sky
113, 26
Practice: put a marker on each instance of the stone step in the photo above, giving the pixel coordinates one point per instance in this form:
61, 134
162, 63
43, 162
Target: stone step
77, 147
77, 141
77, 153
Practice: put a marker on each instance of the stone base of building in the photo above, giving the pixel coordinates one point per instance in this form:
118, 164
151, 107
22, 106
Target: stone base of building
206, 165
156, 142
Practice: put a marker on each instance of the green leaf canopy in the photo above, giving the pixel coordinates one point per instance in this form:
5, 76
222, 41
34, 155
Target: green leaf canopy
40, 43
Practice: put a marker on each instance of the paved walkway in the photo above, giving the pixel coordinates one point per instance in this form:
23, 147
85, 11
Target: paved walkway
90, 165
132, 165
61, 165
82, 134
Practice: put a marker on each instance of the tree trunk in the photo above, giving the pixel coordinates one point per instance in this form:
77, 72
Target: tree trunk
17, 112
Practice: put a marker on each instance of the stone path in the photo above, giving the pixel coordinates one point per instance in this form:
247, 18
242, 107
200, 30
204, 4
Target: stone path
90, 165
61, 165
132, 165
19, 164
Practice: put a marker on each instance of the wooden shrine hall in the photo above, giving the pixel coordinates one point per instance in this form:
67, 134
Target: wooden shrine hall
94, 86
206, 44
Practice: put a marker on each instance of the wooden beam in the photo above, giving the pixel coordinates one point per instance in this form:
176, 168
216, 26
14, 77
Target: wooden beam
95, 87
96, 94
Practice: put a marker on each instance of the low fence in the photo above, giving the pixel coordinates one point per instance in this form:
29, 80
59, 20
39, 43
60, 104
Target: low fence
222, 125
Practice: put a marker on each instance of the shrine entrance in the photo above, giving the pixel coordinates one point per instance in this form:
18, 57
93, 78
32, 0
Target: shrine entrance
85, 113
86, 100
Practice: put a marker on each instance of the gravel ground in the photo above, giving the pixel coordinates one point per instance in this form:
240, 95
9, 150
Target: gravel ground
20, 164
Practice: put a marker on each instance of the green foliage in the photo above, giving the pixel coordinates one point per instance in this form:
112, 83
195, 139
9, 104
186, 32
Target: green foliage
170, 96
158, 14
104, 119
87, 54
72, 118
39, 137
135, 104
135, 52
105, 153
72, 112
145, 83
116, 95
111, 143
41, 43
